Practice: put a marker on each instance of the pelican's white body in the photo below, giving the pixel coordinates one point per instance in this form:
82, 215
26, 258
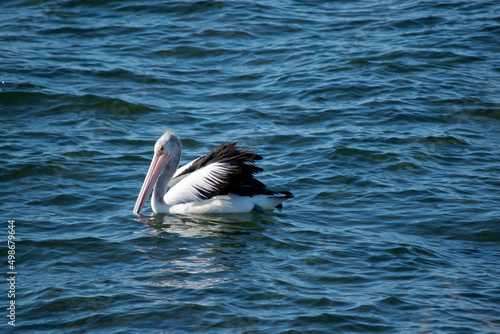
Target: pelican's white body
221, 204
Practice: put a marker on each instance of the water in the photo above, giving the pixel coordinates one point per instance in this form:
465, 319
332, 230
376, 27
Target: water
382, 117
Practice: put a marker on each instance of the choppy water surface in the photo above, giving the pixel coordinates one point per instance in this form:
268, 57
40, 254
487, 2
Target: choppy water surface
382, 117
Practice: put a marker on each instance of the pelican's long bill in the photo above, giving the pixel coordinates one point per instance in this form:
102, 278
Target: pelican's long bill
157, 165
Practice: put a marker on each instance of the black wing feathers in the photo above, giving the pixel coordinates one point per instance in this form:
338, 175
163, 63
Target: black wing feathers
226, 152
237, 179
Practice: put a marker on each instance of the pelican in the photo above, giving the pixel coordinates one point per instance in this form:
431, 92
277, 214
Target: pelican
221, 181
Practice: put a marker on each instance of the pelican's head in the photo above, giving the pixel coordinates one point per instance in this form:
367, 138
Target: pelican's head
167, 153
168, 144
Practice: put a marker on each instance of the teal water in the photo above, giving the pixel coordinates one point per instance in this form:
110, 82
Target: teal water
382, 117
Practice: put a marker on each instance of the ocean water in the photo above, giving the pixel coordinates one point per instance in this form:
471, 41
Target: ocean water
382, 117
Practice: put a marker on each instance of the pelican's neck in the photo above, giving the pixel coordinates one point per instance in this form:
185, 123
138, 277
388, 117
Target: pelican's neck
157, 202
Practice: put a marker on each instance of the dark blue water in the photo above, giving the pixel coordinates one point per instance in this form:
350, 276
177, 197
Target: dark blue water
382, 117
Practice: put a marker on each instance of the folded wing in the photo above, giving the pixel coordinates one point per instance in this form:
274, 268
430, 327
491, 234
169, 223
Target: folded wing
225, 170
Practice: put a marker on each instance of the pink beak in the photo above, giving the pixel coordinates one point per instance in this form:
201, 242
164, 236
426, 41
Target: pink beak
157, 165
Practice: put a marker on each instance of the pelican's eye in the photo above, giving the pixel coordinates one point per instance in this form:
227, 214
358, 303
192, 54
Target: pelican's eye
161, 149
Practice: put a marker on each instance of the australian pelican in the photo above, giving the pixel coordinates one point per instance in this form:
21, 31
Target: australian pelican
221, 181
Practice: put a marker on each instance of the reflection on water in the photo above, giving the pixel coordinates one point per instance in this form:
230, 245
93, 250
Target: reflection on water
199, 226
177, 261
